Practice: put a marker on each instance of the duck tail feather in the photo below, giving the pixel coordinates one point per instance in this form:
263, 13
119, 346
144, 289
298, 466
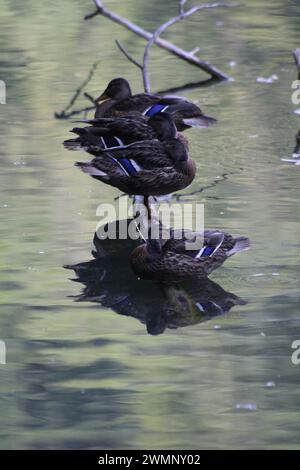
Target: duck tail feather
201, 121
79, 131
84, 121
90, 169
241, 244
73, 144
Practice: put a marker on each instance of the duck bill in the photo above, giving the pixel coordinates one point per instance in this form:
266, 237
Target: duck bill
102, 98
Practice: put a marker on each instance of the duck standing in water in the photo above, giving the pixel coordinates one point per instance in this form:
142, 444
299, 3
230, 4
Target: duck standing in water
117, 100
171, 261
145, 167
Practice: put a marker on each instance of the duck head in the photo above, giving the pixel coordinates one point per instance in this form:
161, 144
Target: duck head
118, 89
177, 152
164, 126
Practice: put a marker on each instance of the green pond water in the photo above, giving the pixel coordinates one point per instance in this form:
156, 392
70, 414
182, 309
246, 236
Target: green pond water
88, 374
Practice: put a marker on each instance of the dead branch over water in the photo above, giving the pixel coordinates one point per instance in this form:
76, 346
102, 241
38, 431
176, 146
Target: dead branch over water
190, 57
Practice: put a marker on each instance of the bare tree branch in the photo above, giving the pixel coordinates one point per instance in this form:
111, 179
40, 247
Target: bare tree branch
182, 15
224, 177
127, 55
195, 51
175, 50
189, 86
92, 15
75, 112
190, 57
181, 7
64, 114
89, 97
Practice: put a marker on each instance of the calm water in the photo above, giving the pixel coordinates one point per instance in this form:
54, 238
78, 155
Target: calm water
86, 375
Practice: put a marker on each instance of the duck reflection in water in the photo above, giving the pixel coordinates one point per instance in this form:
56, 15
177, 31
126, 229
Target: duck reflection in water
109, 280
296, 154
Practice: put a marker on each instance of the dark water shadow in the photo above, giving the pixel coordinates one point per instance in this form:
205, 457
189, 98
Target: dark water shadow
85, 413
294, 159
193, 86
109, 280
297, 146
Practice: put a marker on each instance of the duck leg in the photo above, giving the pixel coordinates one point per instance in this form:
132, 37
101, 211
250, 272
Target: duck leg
150, 203
148, 207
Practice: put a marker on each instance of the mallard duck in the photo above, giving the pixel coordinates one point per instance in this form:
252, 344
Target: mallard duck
157, 305
171, 260
145, 167
113, 132
117, 100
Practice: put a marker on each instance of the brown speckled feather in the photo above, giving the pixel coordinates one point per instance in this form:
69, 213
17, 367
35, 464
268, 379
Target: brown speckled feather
178, 108
162, 167
127, 129
175, 263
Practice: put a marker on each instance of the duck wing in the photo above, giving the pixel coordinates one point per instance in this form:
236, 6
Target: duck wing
127, 128
113, 134
146, 154
213, 242
135, 103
